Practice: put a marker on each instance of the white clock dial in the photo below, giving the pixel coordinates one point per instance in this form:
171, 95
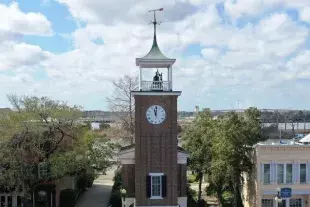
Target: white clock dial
155, 114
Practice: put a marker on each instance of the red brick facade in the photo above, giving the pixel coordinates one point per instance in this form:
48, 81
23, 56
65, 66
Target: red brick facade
156, 149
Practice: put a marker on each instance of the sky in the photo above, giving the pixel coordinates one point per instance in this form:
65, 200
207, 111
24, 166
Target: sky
230, 53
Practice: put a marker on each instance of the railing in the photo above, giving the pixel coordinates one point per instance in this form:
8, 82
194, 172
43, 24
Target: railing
155, 86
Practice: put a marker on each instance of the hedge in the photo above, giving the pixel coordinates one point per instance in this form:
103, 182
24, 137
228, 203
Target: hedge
67, 198
116, 198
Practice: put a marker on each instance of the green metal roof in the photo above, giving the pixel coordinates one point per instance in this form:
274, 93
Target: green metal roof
155, 52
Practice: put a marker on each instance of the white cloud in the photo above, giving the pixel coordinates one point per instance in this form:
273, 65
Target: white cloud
15, 21
239, 8
15, 55
112, 11
251, 63
305, 14
210, 53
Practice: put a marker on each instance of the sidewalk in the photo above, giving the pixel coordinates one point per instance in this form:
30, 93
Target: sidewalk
99, 194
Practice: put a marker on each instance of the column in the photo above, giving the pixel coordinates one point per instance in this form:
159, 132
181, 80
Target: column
307, 172
287, 202
171, 77
140, 78
298, 172
294, 172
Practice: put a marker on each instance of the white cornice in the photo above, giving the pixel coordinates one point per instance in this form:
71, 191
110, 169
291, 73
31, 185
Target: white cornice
156, 93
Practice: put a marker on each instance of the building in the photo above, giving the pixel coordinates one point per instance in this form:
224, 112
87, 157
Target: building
45, 191
284, 167
154, 169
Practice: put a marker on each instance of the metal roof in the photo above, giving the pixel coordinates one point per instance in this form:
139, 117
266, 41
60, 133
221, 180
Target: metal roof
154, 57
305, 139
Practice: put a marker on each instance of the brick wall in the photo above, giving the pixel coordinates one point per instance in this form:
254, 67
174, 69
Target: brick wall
156, 148
182, 180
128, 179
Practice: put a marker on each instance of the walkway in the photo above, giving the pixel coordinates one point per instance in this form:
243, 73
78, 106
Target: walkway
99, 194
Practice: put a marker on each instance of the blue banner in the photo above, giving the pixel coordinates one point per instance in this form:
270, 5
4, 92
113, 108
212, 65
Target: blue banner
286, 192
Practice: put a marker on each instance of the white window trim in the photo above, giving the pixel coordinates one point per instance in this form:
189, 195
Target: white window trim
285, 170
156, 174
264, 173
300, 173
284, 173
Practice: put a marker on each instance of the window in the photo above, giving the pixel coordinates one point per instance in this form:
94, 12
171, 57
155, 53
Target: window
296, 202
43, 170
266, 173
280, 175
289, 173
267, 202
303, 173
156, 185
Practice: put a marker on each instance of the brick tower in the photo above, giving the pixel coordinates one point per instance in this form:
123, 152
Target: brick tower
159, 165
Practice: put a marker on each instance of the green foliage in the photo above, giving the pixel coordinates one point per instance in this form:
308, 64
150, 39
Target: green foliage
191, 196
36, 131
116, 198
191, 178
232, 150
223, 149
31, 133
198, 142
228, 197
67, 198
103, 126
91, 154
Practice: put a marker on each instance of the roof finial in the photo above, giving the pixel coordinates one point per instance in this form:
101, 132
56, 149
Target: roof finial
155, 23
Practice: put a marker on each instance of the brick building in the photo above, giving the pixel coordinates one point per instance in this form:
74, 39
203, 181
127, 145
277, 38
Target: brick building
154, 168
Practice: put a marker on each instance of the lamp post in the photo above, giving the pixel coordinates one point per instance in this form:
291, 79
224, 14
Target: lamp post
278, 198
123, 194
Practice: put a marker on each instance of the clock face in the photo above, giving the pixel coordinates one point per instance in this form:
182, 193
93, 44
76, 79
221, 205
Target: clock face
155, 114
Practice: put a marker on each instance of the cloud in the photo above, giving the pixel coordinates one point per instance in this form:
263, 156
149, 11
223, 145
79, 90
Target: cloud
262, 62
16, 55
241, 8
15, 21
305, 14
112, 11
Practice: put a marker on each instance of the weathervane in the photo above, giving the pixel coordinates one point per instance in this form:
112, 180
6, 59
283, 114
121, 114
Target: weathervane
155, 22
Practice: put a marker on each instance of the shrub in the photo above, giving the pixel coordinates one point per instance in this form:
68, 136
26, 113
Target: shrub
90, 180
82, 182
228, 197
116, 198
202, 203
191, 178
191, 194
67, 198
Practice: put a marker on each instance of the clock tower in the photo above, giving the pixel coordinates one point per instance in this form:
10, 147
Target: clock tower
159, 164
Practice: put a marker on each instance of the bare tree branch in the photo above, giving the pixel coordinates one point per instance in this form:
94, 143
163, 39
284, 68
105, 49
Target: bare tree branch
122, 103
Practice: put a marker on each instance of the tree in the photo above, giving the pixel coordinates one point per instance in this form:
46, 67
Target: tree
239, 134
93, 153
32, 133
103, 126
123, 104
197, 141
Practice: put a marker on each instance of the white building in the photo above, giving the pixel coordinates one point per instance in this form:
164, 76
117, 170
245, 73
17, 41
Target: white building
279, 166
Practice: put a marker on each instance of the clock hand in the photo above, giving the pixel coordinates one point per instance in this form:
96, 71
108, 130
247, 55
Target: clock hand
155, 111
